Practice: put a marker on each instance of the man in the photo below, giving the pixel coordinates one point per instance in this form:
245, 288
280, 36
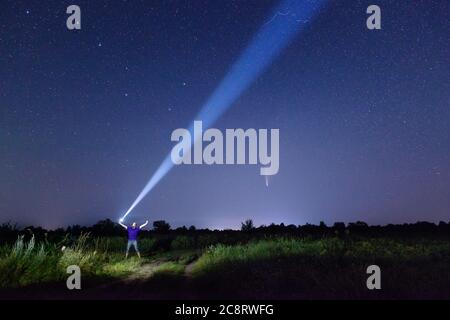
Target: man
133, 232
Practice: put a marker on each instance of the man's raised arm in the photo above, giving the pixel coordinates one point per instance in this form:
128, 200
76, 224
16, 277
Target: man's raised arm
142, 226
120, 222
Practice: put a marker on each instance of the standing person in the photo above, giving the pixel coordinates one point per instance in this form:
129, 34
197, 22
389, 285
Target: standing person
133, 232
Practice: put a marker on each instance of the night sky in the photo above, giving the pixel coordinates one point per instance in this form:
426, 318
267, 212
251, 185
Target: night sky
86, 116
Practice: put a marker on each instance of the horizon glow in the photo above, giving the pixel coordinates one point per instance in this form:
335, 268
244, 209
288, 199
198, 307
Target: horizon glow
286, 20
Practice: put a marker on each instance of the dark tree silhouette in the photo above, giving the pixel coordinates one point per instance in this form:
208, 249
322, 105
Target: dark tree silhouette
161, 226
247, 225
106, 227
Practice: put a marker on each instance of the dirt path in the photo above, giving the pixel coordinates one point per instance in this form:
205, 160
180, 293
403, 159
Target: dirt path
189, 268
138, 285
143, 273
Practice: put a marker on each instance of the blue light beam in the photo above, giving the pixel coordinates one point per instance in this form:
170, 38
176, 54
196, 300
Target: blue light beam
286, 21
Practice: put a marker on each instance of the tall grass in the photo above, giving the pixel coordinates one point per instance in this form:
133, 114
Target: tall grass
289, 266
27, 262
329, 267
330, 248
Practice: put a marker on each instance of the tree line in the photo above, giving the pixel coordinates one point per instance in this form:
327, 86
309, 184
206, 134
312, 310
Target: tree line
108, 228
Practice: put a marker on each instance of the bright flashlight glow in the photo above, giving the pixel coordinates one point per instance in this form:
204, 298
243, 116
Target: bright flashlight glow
288, 19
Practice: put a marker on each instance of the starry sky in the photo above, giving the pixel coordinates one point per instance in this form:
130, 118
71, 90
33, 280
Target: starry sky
86, 116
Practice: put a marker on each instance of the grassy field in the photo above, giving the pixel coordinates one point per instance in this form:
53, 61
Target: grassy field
277, 267
327, 268
27, 262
